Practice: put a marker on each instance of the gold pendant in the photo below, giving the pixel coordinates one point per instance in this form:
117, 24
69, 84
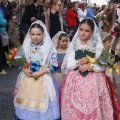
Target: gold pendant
34, 51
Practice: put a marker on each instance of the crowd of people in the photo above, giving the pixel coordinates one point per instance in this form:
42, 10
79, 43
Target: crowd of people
58, 38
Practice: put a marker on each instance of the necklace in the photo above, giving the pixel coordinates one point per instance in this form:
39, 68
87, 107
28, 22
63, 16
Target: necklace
84, 45
36, 47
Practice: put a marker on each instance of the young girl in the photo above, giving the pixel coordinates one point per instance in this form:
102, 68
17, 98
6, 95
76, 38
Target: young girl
36, 95
13, 31
106, 40
84, 92
110, 80
60, 41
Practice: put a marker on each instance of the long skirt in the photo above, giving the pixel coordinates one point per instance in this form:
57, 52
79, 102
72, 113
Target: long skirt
113, 95
32, 90
85, 98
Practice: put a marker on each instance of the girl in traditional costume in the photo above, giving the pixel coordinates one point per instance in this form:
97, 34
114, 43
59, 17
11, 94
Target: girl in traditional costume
84, 92
110, 79
61, 41
36, 93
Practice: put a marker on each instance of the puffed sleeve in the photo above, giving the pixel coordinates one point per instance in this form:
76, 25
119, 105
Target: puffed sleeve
52, 60
96, 67
71, 63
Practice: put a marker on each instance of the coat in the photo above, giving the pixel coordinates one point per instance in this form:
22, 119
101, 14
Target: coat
3, 22
32, 11
71, 18
14, 35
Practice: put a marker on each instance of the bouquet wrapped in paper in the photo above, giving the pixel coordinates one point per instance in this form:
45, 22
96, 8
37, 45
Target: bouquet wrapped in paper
15, 57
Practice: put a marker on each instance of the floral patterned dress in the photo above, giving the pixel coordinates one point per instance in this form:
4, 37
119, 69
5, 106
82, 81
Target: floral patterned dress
84, 96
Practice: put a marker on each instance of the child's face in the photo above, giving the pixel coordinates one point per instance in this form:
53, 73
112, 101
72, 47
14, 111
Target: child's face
63, 43
36, 35
85, 32
107, 44
14, 19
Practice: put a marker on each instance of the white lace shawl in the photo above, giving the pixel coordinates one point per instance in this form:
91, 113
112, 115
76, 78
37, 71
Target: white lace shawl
95, 46
49, 59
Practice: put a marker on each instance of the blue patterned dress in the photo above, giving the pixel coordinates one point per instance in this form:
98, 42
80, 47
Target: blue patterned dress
52, 112
58, 74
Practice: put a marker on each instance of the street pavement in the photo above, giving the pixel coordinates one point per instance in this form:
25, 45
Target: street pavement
7, 83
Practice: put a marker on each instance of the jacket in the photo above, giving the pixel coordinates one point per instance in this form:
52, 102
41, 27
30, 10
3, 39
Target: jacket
3, 22
71, 18
13, 32
90, 13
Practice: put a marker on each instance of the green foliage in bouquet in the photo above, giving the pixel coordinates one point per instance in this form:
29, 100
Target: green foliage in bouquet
103, 17
98, 16
15, 57
107, 59
17, 62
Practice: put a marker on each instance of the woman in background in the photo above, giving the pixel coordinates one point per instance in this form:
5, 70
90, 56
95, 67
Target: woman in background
3, 23
52, 18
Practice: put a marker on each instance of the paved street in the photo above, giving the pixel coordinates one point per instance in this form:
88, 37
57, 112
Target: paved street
6, 87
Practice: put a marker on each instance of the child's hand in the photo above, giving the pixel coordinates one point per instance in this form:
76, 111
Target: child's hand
27, 72
39, 73
84, 67
82, 61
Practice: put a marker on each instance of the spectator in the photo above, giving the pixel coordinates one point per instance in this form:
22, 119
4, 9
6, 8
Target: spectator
24, 24
13, 31
33, 12
110, 18
90, 12
52, 18
3, 23
14, 8
115, 12
118, 11
71, 19
116, 42
100, 22
81, 11
5, 5
46, 6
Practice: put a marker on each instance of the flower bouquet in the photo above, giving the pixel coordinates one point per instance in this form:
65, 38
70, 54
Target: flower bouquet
98, 16
104, 19
109, 59
14, 57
